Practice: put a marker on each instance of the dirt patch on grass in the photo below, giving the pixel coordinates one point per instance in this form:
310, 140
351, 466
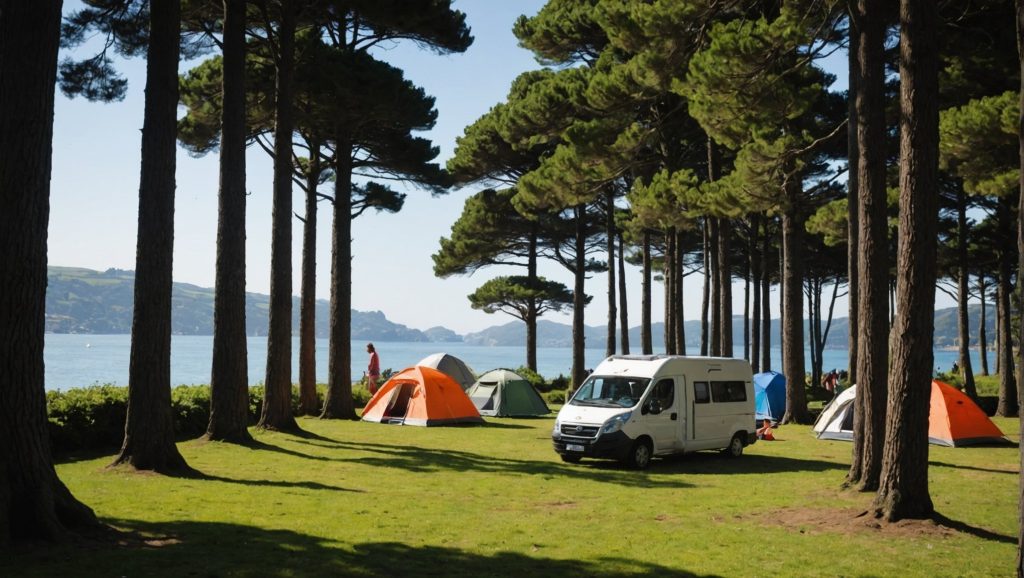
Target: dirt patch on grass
560, 505
848, 521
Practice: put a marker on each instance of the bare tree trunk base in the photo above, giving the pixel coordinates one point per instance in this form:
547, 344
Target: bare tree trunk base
894, 506
335, 408
351, 416
866, 485
169, 463
240, 438
801, 418
54, 516
288, 426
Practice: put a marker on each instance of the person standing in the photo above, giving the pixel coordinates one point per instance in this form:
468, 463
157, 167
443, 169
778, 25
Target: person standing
373, 370
830, 381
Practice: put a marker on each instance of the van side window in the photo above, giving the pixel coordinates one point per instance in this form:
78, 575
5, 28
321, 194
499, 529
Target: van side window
665, 392
728, 391
700, 392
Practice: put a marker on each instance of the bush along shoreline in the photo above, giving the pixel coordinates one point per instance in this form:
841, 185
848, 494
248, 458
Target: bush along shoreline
92, 418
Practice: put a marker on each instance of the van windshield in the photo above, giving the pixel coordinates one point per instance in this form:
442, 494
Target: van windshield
610, 391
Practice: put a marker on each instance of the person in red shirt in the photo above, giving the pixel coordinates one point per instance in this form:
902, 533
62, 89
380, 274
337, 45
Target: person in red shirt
765, 431
373, 371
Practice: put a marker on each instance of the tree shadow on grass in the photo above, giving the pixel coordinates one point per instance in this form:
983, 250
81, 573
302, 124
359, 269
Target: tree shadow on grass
274, 483
264, 446
973, 530
717, 464
221, 549
975, 468
424, 460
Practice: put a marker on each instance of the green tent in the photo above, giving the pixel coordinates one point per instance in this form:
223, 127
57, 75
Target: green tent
505, 393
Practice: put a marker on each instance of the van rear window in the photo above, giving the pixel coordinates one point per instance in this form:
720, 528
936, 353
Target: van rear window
728, 391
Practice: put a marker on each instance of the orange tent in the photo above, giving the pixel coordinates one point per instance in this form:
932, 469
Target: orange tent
955, 420
421, 396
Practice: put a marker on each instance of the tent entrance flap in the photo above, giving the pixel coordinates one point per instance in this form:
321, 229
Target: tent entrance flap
398, 406
483, 396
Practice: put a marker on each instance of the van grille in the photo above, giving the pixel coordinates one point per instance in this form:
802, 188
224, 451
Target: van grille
581, 431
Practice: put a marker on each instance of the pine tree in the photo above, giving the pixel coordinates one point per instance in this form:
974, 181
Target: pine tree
34, 503
903, 486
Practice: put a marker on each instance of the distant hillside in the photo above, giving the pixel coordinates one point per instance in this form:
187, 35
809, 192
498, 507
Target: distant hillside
87, 301
552, 334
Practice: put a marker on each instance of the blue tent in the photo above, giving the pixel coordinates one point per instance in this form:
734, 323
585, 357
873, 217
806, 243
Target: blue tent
770, 395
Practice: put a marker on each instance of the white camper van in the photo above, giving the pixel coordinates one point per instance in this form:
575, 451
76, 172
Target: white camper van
633, 407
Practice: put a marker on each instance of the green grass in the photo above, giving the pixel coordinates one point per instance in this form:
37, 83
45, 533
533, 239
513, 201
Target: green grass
356, 498
987, 384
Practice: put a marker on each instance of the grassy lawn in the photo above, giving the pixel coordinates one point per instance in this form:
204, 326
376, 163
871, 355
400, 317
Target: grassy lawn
355, 498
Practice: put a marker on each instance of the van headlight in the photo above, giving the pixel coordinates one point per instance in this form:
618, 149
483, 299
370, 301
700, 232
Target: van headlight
615, 424
556, 432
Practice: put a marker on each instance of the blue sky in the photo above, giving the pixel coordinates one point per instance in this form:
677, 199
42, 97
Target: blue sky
94, 197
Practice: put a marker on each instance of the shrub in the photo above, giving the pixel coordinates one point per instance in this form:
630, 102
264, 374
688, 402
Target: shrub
555, 396
87, 418
92, 418
560, 382
191, 407
535, 379
361, 395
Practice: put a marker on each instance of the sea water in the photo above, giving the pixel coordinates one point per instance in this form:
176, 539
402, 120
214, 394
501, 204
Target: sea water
76, 360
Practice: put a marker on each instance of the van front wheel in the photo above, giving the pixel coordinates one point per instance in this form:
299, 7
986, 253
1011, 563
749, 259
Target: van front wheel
735, 448
639, 456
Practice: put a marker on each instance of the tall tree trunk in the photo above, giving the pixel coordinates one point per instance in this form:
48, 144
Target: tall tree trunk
706, 296
722, 273
903, 487
782, 288
755, 269
579, 371
1020, 276
999, 322
610, 345
724, 287
229, 374
670, 306
747, 274
792, 311
531, 308
982, 337
963, 294
680, 333
149, 427
277, 397
766, 305
872, 251
814, 327
338, 403
715, 337
309, 402
853, 207
646, 339
1007, 380
34, 503
623, 310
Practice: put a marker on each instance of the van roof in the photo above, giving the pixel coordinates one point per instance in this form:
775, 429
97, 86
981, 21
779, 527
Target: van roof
658, 356
649, 365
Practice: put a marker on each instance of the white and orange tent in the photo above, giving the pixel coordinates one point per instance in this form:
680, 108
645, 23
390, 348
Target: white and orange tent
421, 396
954, 419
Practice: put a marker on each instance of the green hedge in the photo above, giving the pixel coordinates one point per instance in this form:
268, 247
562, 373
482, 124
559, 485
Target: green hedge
92, 418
